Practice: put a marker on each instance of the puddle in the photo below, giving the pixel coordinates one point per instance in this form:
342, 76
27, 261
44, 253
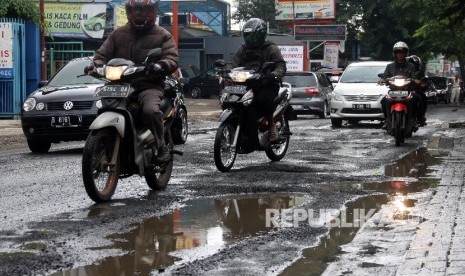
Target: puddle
411, 174
200, 228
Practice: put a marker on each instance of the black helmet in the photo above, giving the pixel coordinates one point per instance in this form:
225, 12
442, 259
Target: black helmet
254, 32
141, 14
415, 60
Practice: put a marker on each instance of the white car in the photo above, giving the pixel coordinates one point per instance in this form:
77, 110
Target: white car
357, 95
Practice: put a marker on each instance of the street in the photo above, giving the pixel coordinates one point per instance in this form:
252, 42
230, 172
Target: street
212, 223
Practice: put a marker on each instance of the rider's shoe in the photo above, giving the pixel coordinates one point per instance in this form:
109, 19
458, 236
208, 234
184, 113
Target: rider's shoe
274, 136
163, 155
422, 122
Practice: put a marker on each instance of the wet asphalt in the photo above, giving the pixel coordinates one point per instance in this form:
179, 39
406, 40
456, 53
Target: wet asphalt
205, 222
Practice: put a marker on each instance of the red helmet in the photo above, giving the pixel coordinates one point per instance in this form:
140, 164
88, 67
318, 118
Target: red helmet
141, 13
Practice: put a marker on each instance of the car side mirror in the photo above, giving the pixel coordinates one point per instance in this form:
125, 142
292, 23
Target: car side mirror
153, 55
42, 84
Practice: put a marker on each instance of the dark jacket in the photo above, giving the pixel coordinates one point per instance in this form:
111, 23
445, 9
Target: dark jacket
405, 69
254, 58
123, 42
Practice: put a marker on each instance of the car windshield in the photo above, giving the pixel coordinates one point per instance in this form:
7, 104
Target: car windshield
73, 74
440, 83
190, 71
362, 74
300, 80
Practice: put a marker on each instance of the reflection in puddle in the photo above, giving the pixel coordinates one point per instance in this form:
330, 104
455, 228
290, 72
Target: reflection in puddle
411, 174
203, 226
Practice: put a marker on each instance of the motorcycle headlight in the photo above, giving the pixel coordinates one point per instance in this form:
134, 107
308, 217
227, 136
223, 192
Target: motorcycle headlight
240, 76
29, 104
114, 72
399, 82
247, 99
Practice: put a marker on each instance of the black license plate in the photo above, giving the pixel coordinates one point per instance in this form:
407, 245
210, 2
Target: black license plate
361, 106
236, 89
66, 121
112, 91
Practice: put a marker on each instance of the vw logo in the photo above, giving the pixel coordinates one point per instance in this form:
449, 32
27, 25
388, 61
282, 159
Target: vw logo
68, 105
361, 96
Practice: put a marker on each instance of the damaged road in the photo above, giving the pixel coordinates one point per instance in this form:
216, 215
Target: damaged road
207, 222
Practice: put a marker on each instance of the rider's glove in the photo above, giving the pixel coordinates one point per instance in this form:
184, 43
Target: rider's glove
155, 69
88, 70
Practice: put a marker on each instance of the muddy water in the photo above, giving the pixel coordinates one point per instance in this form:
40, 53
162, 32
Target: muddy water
413, 173
202, 227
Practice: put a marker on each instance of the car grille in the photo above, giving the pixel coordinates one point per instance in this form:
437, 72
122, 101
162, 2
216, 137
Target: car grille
76, 105
359, 98
361, 111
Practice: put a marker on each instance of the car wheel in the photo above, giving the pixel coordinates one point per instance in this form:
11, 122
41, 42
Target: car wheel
336, 122
196, 92
38, 146
324, 113
97, 27
180, 130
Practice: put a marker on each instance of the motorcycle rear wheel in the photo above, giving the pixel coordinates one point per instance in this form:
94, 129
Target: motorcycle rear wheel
158, 179
398, 130
278, 151
224, 153
99, 175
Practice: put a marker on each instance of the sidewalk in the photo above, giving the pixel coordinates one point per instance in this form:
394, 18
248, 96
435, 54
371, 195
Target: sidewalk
431, 244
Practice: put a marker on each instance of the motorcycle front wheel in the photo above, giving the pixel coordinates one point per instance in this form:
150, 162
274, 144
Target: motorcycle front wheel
276, 152
100, 176
157, 178
398, 130
224, 152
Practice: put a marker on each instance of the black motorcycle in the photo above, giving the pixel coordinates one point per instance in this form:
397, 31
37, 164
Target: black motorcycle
179, 127
119, 145
240, 131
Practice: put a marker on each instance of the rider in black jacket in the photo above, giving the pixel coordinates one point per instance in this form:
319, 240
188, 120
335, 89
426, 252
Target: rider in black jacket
403, 68
253, 54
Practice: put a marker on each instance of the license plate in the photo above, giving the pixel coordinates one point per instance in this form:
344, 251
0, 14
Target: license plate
66, 121
361, 106
112, 91
236, 89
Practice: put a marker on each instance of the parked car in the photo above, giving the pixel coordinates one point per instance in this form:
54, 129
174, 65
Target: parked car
431, 92
204, 84
442, 88
63, 108
310, 92
185, 73
357, 95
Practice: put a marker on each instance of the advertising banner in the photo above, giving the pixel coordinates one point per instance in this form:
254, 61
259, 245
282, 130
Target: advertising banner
294, 57
320, 32
6, 51
331, 55
305, 9
77, 20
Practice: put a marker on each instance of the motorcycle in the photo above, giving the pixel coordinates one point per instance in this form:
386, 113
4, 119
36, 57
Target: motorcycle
401, 122
179, 127
239, 130
118, 145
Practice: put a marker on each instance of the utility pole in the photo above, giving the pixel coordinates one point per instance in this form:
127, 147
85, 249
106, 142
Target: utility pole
42, 39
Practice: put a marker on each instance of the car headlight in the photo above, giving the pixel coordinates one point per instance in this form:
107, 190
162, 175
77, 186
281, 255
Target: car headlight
114, 72
336, 96
29, 104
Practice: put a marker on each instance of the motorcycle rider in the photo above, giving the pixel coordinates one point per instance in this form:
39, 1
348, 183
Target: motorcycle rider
400, 67
253, 54
421, 89
133, 41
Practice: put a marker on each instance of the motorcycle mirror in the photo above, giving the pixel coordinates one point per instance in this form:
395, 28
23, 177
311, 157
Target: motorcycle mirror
268, 66
153, 55
380, 75
220, 63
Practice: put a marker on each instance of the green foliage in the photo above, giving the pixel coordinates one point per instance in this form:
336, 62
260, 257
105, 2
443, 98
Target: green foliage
264, 9
20, 9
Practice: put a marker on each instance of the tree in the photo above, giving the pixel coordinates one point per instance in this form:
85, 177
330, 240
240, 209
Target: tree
264, 9
20, 9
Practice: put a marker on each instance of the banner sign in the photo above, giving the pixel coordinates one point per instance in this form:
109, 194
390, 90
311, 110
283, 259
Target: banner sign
6, 51
77, 20
320, 32
331, 55
305, 9
294, 57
